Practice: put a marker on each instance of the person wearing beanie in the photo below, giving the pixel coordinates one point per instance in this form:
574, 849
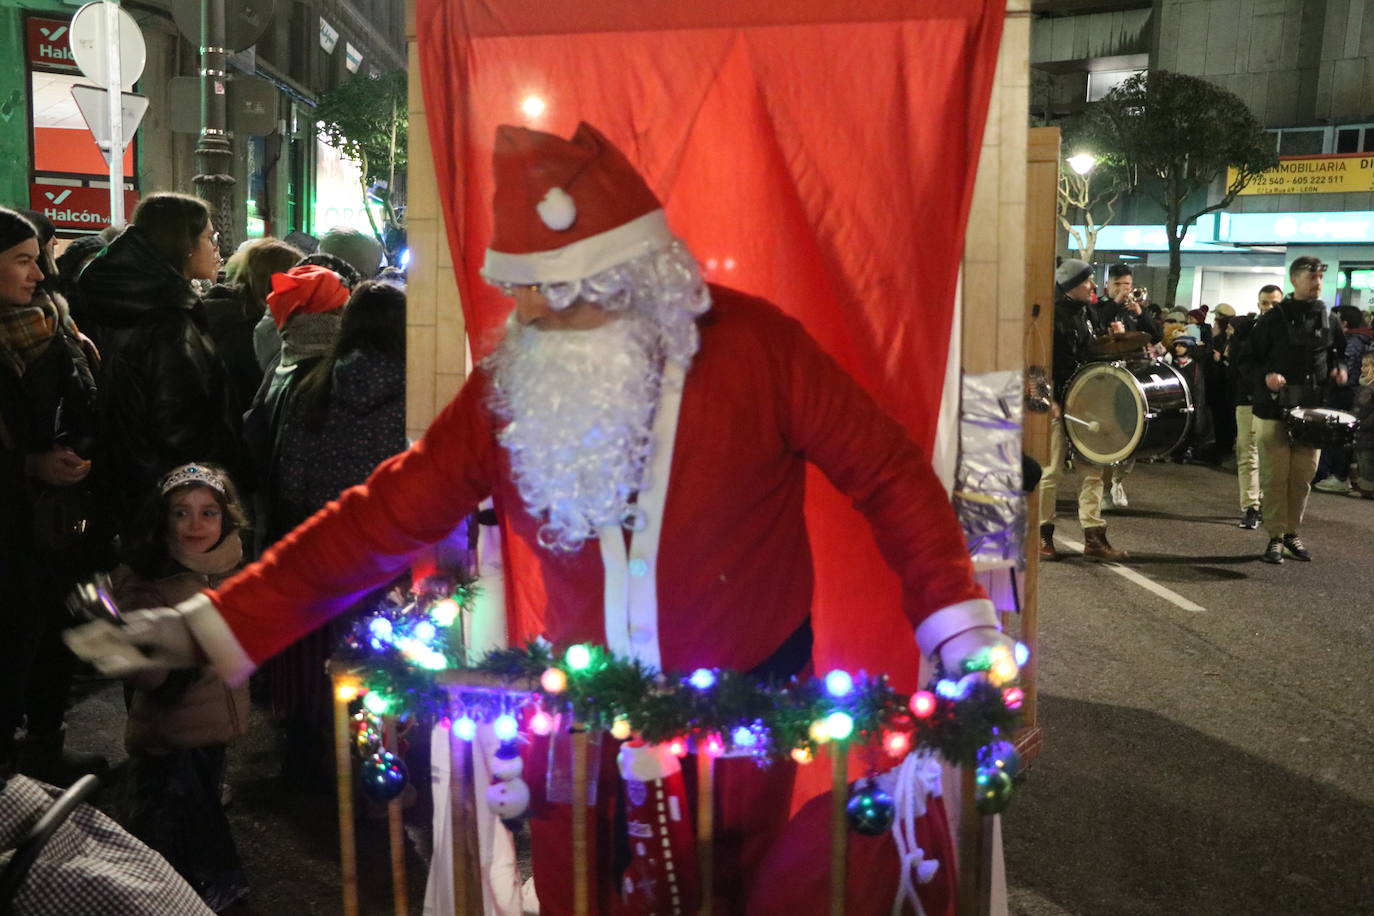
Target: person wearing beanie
267, 336
306, 304
48, 429
362, 252
1075, 329
1296, 350
646, 437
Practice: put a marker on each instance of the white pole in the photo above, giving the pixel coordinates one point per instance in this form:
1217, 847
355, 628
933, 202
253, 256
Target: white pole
115, 97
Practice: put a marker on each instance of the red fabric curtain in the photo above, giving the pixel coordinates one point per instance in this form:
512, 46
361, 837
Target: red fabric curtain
818, 155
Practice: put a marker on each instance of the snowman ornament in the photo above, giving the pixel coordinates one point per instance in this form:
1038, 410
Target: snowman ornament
509, 796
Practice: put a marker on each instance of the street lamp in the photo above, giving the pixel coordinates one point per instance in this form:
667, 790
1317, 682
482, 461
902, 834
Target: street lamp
1082, 163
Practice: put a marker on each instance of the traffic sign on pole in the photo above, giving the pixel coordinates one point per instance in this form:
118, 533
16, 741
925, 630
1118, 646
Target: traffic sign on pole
94, 105
109, 48
92, 39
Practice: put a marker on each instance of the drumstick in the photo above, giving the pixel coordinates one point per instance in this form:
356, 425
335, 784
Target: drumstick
1093, 425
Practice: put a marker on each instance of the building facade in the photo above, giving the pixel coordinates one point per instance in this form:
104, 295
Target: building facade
1305, 68
285, 178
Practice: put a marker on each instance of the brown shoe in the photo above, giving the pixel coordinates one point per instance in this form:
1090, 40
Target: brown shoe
1047, 551
1096, 546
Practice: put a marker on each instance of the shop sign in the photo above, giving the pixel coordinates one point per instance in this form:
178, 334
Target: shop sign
76, 207
47, 43
1313, 175
1145, 238
1317, 227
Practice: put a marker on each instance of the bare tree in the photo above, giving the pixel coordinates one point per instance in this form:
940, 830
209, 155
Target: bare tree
1085, 196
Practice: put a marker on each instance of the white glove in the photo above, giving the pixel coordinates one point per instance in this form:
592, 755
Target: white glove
154, 639
969, 644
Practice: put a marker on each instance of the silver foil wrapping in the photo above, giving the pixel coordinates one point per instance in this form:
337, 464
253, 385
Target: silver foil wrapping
987, 484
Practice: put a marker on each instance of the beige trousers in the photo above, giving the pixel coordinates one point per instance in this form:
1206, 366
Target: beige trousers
1247, 457
1089, 491
1285, 471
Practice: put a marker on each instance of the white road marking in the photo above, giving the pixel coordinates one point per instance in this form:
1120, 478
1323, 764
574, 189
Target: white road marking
1131, 575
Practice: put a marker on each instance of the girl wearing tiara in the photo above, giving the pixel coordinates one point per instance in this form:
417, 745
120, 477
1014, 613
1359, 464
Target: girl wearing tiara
181, 721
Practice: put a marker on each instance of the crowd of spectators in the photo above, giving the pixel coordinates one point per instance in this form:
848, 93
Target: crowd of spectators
164, 417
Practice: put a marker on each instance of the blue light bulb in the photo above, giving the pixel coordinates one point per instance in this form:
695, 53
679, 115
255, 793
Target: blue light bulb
380, 628
425, 630
702, 679
744, 737
1021, 654
947, 688
465, 728
506, 727
838, 683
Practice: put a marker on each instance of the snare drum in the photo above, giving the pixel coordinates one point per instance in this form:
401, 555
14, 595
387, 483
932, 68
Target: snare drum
1117, 411
1321, 427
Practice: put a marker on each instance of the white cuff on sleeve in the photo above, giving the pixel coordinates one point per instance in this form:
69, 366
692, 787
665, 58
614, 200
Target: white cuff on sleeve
216, 640
953, 620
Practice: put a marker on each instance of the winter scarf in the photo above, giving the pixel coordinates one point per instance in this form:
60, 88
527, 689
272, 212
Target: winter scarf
224, 557
308, 335
26, 332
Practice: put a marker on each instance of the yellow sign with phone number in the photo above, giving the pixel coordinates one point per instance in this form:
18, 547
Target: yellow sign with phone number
1313, 175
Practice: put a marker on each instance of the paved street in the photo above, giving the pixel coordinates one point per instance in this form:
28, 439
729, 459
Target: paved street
1209, 761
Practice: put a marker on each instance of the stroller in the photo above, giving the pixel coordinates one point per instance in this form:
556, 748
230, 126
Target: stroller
61, 857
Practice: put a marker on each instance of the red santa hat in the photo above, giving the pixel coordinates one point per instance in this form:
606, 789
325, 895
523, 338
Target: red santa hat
305, 289
567, 209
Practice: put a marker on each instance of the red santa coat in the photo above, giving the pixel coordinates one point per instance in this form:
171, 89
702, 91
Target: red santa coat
732, 563
728, 568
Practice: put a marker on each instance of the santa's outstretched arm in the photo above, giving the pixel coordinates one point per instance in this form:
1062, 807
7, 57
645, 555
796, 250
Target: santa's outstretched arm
357, 542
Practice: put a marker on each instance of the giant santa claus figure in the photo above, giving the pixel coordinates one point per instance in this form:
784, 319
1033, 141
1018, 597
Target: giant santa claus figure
646, 435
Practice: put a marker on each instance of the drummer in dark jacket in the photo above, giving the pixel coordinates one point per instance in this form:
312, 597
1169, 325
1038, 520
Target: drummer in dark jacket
164, 394
1294, 352
1075, 329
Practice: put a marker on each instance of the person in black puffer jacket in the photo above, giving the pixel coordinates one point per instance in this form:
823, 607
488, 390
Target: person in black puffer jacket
164, 395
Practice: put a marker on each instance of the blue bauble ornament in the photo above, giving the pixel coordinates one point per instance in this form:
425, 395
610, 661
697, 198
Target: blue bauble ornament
991, 789
1000, 755
384, 776
870, 809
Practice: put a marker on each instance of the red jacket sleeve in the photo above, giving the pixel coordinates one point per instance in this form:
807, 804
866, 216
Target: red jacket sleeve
869, 457
369, 534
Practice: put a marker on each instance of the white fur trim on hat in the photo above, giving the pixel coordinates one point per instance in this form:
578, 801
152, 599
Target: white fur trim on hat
582, 258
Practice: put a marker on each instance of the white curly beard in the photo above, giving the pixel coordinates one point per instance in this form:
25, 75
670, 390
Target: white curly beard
579, 406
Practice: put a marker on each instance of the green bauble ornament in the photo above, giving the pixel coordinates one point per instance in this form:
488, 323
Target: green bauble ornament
870, 809
992, 790
384, 776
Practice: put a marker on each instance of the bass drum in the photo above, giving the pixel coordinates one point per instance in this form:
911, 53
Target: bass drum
1118, 411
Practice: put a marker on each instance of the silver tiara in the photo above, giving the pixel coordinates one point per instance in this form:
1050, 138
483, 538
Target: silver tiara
191, 473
